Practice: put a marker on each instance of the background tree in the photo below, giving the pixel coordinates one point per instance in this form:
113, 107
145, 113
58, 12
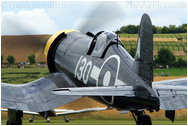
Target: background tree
154, 29
10, 59
133, 29
122, 29
31, 59
118, 32
158, 29
183, 28
2, 59
165, 57
165, 30
180, 63
130, 29
172, 28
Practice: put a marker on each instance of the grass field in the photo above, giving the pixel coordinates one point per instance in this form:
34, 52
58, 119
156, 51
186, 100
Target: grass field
178, 35
171, 72
97, 122
19, 76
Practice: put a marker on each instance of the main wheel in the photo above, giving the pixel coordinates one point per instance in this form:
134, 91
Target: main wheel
48, 120
19, 122
146, 120
66, 119
8, 123
30, 120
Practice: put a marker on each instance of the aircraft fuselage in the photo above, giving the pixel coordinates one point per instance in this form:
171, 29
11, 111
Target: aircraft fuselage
108, 65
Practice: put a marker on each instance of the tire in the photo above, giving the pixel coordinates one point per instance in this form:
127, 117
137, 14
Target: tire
8, 122
67, 120
30, 120
146, 120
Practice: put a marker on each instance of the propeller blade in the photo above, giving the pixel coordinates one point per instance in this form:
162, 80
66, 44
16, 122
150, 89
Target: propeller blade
102, 15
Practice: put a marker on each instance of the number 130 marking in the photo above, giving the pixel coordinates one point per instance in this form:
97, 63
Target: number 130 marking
83, 69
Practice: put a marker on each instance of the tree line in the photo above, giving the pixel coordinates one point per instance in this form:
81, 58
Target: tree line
133, 29
11, 59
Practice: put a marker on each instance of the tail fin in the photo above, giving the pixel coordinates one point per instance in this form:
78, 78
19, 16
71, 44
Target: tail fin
143, 64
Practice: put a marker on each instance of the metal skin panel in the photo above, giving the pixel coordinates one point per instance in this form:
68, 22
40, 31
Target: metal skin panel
51, 40
172, 93
36, 96
115, 69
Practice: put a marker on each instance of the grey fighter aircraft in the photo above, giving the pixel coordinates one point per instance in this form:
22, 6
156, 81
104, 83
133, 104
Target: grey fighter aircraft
97, 66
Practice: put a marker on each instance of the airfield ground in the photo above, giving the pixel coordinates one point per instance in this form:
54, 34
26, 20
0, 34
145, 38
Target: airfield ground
97, 122
109, 117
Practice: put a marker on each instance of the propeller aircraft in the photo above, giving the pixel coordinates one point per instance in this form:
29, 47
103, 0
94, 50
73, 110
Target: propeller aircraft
97, 66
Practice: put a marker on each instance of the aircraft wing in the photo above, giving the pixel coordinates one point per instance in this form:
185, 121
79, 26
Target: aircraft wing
37, 96
172, 93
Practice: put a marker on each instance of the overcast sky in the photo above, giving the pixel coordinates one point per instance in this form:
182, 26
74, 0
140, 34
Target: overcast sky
24, 17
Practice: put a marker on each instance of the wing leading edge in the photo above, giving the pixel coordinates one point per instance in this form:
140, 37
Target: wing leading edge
37, 96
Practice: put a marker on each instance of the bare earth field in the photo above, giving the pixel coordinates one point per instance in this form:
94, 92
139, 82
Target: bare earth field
23, 46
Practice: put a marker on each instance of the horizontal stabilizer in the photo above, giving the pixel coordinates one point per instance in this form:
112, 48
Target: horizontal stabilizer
172, 93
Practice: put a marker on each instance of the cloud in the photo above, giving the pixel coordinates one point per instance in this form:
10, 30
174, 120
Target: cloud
112, 15
90, 16
25, 22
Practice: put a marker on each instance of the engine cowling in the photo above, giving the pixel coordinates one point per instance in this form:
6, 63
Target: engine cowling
51, 46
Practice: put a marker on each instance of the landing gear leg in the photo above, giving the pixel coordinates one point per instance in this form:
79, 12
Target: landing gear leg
48, 120
14, 117
140, 118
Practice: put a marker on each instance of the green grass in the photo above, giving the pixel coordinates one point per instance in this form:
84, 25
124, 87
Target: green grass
178, 35
19, 76
97, 122
128, 35
155, 47
171, 72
